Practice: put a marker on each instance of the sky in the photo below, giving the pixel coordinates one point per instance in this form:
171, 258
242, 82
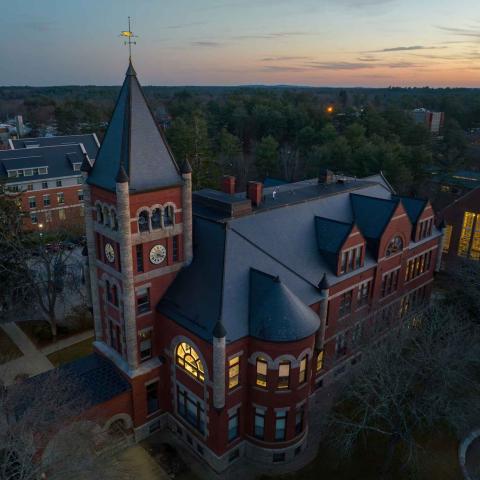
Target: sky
377, 43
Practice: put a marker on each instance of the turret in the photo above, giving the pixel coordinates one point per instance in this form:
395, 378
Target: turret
324, 288
219, 357
186, 171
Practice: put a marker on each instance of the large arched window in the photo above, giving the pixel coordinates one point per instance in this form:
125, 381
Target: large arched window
143, 221
156, 218
189, 360
169, 216
395, 245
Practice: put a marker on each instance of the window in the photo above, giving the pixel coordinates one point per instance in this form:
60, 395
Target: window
58, 183
46, 200
259, 423
299, 420
28, 172
351, 259
346, 303
188, 359
99, 214
152, 398
357, 334
114, 295
30, 187
320, 360
44, 184
143, 221
262, 369
168, 218
283, 375
61, 214
60, 198
143, 301
233, 425
80, 195
234, 372
156, 219
191, 409
145, 345
48, 217
280, 425
113, 215
32, 202
395, 246
139, 250
475, 247
12, 173
447, 238
175, 252
106, 217
302, 374
79, 180
34, 218
42, 170
363, 293
76, 167
418, 265
341, 344
425, 228
390, 282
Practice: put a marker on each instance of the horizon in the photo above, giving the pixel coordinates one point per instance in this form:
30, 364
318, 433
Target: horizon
235, 43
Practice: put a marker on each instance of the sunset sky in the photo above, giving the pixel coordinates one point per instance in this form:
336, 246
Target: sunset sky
233, 42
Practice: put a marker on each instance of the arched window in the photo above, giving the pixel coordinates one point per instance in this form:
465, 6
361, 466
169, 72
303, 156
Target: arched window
99, 214
156, 219
114, 220
106, 217
189, 360
395, 245
169, 216
143, 223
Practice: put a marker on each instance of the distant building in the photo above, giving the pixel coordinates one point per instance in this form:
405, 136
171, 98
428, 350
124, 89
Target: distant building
46, 171
432, 120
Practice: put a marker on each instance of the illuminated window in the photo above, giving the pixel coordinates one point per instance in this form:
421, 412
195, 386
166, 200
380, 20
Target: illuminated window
283, 375
320, 360
262, 369
466, 235
395, 245
302, 374
448, 238
475, 248
233, 372
189, 360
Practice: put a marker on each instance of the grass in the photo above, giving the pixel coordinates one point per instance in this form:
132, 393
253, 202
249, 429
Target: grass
74, 352
437, 460
8, 349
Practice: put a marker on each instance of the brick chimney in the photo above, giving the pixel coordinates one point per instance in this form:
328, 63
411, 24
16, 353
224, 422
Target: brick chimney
255, 192
228, 184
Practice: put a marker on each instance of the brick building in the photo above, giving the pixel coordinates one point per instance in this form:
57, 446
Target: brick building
46, 172
228, 312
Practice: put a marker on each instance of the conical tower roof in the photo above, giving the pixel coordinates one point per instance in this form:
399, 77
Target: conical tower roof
134, 141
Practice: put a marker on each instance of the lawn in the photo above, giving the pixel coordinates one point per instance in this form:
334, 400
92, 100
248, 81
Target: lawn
74, 352
437, 460
8, 350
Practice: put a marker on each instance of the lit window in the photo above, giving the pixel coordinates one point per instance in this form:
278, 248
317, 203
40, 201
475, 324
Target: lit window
447, 238
188, 359
475, 248
60, 198
143, 301
233, 372
48, 217
466, 235
320, 360
302, 374
61, 214
280, 425
145, 345
395, 245
283, 375
262, 369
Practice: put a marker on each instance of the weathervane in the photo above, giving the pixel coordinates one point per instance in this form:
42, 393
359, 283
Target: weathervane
130, 39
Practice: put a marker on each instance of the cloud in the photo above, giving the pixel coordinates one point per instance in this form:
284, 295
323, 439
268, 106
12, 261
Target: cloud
368, 58
406, 49
283, 58
341, 65
463, 32
206, 44
282, 68
270, 35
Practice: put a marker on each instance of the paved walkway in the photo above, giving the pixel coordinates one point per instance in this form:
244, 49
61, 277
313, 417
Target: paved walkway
67, 342
31, 363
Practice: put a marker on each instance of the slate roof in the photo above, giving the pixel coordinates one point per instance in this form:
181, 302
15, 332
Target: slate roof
134, 140
331, 234
413, 206
58, 159
89, 142
276, 314
278, 239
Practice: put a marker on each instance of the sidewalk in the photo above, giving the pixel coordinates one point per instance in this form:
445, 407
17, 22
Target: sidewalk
67, 342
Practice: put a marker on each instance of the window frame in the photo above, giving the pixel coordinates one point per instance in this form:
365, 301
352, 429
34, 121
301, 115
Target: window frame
283, 381
261, 379
234, 372
196, 369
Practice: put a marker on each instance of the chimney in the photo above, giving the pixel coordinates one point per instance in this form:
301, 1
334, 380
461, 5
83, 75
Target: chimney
254, 193
228, 184
326, 176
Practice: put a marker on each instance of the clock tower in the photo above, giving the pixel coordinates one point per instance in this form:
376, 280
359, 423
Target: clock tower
139, 232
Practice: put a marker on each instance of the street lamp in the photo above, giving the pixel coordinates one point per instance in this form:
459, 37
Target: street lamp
40, 229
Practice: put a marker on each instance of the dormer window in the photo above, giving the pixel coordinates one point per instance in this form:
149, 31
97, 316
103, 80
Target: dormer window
425, 229
76, 167
395, 246
351, 259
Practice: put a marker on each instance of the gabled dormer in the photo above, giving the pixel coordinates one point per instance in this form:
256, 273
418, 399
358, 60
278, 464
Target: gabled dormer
341, 244
420, 213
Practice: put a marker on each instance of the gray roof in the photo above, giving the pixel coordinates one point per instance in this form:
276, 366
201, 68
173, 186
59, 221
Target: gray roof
134, 140
278, 241
58, 159
88, 140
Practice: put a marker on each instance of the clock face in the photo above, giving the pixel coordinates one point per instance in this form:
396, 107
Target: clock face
109, 253
158, 254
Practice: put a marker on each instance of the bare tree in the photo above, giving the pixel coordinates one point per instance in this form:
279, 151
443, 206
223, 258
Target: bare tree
44, 435
423, 376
